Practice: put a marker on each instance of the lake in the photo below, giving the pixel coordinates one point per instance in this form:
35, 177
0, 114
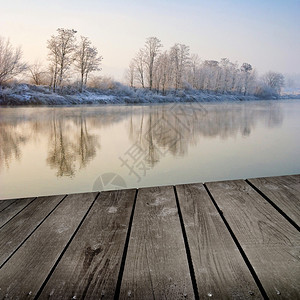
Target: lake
61, 150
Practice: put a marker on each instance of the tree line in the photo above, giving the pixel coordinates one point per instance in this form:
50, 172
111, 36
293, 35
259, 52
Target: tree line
65, 52
176, 68
67, 56
152, 68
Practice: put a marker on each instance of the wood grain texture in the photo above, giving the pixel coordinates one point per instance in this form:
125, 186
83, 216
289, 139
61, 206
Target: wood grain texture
14, 233
156, 265
284, 191
270, 242
11, 210
5, 203
219, 268
90, 267
23, 275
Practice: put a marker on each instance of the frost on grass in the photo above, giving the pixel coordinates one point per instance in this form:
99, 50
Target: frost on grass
25, 94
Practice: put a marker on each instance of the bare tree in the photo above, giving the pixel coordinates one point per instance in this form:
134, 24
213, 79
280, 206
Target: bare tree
163, 71
151, 50
140, 67
274, 80
86, 60
129, 75
177, 69
37, 73
61, 52
180, 58
10, 61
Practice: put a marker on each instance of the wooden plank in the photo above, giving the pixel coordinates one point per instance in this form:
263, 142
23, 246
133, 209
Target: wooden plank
220, 270
13, 234
156, 265
284, 191
270, 242
6, 203
90, 267
23, 275
10, 211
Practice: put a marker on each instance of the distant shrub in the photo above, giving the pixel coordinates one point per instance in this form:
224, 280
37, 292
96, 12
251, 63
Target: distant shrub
265, 92
102, 83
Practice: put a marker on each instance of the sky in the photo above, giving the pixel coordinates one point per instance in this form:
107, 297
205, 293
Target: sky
264, 33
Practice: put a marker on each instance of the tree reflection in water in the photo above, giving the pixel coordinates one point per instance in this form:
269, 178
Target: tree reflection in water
157, 129
11, 141
61, 155
162, 129
68, 145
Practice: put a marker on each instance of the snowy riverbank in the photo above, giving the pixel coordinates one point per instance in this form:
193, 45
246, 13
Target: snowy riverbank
24, 94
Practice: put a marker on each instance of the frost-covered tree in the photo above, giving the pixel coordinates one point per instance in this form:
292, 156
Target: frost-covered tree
274, 80
61, 49
177, 69
234, 74
224, 77
210, 74
151, 51
180, 59
193, 74
10, 61
246, 72
130, 74
163, 72
86, 60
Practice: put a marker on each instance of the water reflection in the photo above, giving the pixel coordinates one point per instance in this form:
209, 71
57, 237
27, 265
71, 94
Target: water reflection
174, 128
70, 142
73, 134
11, 141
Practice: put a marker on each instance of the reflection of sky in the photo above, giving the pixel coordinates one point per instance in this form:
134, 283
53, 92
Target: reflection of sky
263, 33
230, 141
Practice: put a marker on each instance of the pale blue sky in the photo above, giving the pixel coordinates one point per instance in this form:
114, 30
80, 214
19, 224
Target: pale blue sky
264, 33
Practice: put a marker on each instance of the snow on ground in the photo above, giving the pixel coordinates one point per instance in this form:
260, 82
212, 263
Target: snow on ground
24, 94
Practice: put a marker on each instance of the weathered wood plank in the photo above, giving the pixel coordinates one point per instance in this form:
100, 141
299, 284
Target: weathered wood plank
90, 267
10, 211
220, 270
23, 275
6, 203
270, 242
156, 265
284, 191
13, 234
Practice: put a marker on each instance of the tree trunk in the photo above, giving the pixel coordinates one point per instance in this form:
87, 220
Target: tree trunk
81, 83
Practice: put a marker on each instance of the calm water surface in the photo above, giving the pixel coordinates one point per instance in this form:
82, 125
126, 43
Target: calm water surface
56, 150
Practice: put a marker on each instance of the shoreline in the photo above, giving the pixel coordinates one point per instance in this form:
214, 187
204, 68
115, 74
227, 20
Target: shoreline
31, 95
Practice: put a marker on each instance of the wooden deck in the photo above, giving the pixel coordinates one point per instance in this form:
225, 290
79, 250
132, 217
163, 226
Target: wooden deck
222, 240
